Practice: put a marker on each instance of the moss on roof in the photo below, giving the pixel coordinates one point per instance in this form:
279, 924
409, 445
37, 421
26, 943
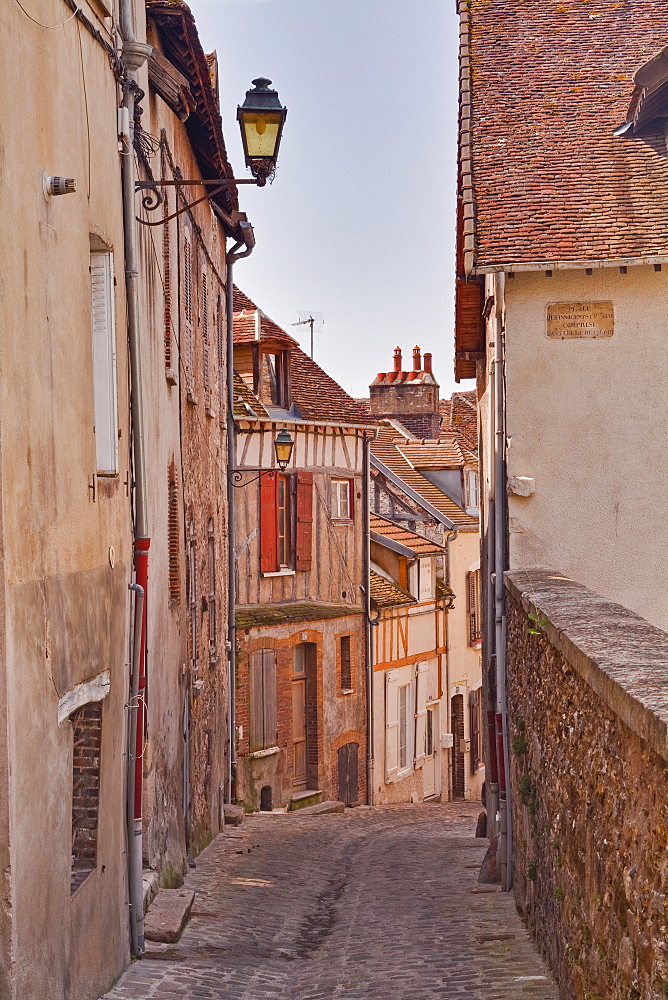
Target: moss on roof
386, 594
281, 614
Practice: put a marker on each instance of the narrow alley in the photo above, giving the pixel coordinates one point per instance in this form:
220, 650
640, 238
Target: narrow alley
381, 903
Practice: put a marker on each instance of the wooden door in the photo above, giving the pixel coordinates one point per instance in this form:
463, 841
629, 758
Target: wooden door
348, 768
299, 730
457, 714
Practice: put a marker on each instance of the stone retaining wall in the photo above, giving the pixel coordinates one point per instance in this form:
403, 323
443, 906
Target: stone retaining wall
588, 714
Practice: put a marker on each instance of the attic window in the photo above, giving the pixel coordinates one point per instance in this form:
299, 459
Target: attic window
273, 379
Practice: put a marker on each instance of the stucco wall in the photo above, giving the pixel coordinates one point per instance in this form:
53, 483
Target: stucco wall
587, 420
588, 720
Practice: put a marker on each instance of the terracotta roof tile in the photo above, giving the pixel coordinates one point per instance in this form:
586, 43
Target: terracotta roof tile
385, 594
244, 395
460, 415
447, 453
543, 86
318, 396
386, 450
418, 543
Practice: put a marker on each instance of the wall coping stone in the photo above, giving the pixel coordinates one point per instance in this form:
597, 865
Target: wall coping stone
622, 657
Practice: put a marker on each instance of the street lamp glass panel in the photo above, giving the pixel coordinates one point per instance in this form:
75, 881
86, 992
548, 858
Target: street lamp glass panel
283, 446
261, 134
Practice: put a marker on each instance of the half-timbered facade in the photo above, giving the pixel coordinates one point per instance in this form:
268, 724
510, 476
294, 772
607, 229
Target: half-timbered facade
300, 573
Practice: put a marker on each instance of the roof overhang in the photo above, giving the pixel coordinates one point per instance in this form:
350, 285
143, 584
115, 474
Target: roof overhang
569, 265
414, 496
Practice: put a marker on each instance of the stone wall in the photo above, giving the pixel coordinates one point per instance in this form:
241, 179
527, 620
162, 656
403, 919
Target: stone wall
588, 713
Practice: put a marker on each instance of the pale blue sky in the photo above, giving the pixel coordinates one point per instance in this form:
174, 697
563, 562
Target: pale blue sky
359, 223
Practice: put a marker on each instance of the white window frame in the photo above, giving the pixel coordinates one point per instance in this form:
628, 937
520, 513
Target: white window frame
103, 335
472, 492
426, 579
341, 500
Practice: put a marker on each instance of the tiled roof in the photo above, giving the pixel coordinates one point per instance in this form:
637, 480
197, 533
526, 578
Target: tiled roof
418, 543
242, 302
460, 414
386, 450
447, 453
243, 395
245, 328
543, 86
318, 396
279, 614
385, 594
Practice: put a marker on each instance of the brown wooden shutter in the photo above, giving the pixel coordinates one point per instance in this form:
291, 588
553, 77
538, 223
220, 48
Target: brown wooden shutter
351, 499
304, 540
269, 522
173, 535
472, 609
474, 730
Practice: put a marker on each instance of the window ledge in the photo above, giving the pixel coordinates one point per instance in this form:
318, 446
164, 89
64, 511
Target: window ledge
170, 375
281, 572
348, 691
269, 752
342, 520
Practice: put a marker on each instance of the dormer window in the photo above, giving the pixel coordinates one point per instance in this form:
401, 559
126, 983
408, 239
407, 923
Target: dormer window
273, 378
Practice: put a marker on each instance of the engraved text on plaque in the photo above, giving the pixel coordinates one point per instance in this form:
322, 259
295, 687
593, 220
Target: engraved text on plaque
585, 320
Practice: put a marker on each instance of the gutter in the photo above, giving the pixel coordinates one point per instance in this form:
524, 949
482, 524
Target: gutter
569, 265
135, 54
231, 257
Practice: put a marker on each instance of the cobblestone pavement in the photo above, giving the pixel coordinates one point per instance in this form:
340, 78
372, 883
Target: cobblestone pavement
380, 903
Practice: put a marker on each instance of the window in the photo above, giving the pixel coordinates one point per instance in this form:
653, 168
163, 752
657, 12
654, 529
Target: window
167, 294
273, 379
189, 345
473, 602
87, 731
105, 412
342, 506
403, 725
222, 404
346, 663
206, 359
426, 580
286, 521
284, 546
211, 552
472, 491
263, 733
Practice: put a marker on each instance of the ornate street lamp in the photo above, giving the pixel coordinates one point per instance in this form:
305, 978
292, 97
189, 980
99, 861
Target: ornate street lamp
283, 446
261, 118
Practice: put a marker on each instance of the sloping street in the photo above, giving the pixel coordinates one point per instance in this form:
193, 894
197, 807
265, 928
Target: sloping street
379, 903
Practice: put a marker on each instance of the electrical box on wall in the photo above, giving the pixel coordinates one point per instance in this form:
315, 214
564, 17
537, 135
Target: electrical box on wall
447, 741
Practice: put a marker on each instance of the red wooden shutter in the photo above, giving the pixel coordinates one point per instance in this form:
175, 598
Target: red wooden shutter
269, 522
304, 541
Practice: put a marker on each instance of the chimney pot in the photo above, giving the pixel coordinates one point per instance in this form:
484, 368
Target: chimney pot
427, 362
417, 363
397, 359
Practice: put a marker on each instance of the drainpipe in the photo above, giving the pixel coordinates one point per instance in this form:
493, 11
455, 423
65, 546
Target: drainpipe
450, 537
132, 742
231, 257
505, 837
134, 55
368, 627
492, 779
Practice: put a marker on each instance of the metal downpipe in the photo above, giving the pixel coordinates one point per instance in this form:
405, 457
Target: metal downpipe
366, 515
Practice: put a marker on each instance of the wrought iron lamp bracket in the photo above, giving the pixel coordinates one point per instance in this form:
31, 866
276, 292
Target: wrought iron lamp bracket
154, 198
237, 479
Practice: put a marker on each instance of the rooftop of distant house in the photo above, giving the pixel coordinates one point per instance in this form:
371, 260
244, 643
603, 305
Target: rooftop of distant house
420, 372
314, 394
387, 594
404, 536
543, 179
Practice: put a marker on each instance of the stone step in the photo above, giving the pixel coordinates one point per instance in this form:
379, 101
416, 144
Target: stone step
309, 797
322, 807
233, 815
168, 914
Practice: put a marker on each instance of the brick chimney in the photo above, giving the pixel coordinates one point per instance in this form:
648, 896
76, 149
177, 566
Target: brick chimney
410, 397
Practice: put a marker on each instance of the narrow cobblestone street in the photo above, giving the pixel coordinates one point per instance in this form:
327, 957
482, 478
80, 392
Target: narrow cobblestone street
379, 903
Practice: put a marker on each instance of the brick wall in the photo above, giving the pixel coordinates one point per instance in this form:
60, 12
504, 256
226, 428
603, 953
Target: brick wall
87, 729
588, 724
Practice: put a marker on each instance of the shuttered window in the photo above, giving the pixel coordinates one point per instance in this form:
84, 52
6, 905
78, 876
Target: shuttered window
220, 339
192, 594
173, 539
167, 288
304, 539
105, 407
211, 541
206, 351
263, 733
473, 603
189, 345
420, 713
403, 725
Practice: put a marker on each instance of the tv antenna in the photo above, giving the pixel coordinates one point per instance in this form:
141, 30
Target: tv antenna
314, 319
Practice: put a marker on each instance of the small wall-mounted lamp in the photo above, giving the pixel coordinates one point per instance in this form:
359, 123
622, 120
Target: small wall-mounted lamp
283, 446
